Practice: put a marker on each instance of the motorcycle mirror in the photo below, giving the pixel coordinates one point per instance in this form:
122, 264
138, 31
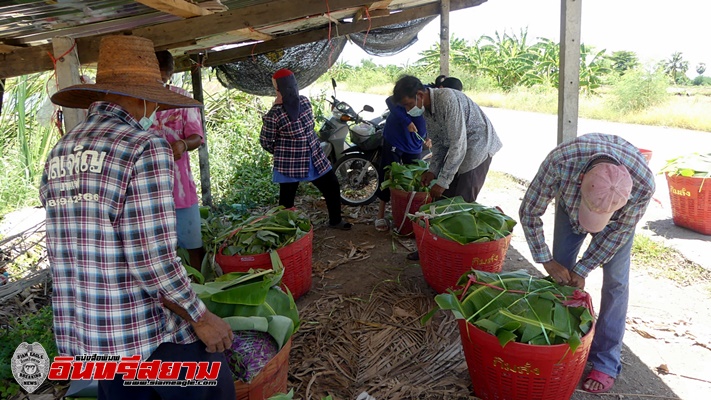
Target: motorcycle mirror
333, 83
368, 108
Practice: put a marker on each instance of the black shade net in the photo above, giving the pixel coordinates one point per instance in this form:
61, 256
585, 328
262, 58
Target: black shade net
310, 61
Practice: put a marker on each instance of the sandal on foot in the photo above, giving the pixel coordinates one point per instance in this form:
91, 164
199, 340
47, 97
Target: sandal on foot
343, 225
381, 225
602, 378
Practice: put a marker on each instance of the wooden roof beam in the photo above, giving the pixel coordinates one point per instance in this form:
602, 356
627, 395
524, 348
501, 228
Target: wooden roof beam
34, 59
182, 63
180, 8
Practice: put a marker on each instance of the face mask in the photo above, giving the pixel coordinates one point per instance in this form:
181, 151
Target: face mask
146, 122
416, 111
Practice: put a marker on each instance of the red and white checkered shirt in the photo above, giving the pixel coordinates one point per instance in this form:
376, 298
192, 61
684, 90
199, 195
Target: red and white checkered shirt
107, 188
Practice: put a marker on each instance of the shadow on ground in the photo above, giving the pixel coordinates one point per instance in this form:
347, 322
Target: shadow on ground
667, 229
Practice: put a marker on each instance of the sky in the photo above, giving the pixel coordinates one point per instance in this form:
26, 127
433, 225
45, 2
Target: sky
653, 29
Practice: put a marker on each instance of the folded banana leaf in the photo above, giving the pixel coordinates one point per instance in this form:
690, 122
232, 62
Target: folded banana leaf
407, 177
515, 306
253, 301
463, 222
696, 164
261, 234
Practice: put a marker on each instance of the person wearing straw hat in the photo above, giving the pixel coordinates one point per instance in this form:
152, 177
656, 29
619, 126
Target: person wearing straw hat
602, 186
118, 286
288, 133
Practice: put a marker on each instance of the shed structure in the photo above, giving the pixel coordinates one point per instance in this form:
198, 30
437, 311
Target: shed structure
38, 36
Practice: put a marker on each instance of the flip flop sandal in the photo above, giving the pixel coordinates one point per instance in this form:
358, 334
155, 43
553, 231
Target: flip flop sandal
381, 225
602, 378
343, 225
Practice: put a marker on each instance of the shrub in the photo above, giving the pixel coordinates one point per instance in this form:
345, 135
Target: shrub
702, 80
637, 90
29, 328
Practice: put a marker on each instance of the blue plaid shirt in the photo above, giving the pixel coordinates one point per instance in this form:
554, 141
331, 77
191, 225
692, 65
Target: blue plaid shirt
107, 189
293, 143
560, 175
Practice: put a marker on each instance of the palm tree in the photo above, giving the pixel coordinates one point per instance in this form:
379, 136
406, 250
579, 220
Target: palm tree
622, 61
675, 66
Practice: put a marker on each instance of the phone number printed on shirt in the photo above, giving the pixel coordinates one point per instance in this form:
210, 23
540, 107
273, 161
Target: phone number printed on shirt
78, 198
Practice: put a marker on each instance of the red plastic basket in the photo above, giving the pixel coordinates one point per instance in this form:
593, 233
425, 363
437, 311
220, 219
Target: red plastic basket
520, 371
647, 154
444, 261
272, 379
400, 198
691, 202
296, 258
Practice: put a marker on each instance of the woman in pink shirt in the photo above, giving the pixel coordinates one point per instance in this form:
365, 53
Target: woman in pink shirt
182, 127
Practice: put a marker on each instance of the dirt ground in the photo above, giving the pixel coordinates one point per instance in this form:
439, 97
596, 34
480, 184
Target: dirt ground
361, 278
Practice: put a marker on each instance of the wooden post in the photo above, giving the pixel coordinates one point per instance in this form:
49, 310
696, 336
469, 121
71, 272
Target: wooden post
569, 80
444, 37
2, 93
196, 76
67, 69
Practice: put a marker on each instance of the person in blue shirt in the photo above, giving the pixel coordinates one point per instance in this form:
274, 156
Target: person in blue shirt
403, 138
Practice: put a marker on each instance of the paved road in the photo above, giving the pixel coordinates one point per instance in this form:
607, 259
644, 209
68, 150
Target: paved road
528, 137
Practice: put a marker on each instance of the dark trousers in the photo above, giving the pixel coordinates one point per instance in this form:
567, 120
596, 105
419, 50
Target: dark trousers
469, 184
225, 389
329, 187
388, 155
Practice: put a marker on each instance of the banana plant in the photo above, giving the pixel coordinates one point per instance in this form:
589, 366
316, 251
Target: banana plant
514, 306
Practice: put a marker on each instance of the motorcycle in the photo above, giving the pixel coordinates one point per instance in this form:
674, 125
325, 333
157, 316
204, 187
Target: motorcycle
355, 163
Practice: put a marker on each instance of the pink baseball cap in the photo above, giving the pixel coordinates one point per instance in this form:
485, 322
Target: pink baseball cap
605, 189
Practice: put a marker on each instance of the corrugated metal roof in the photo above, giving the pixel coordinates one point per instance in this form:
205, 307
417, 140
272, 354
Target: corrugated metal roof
27, 27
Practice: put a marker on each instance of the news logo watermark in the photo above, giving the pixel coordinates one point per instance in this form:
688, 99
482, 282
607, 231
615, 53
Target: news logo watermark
31, 366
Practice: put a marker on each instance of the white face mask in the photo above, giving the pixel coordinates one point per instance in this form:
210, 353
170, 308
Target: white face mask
417, 111
146, 122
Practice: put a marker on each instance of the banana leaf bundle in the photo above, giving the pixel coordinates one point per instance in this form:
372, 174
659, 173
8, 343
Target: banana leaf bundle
262, 316
696, 165
514, 306
463, 222
260, 234
406, 177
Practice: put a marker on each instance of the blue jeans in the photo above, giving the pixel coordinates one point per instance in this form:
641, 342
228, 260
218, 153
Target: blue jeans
610, 329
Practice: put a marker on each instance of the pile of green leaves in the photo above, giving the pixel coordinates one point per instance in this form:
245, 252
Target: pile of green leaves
698, 165
515, 306
463, 222
405, 177
253, 301
261, 234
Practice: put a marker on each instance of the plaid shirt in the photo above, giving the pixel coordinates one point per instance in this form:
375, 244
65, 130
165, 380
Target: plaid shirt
107, 189
293, 144
560, 175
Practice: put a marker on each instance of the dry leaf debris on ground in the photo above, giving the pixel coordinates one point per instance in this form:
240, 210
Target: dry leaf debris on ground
349, 345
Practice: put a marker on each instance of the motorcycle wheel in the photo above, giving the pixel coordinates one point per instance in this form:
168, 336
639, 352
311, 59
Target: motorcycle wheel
358, 178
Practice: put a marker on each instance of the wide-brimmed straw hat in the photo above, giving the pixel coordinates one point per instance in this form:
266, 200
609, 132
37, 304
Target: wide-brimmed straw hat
128, 67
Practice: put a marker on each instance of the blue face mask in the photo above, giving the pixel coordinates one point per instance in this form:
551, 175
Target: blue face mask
146, 122
416, 111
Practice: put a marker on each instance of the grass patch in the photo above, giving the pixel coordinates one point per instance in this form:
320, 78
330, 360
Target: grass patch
664, 262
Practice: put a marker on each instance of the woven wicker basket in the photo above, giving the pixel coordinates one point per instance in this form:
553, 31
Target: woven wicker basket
691, 202
271, 379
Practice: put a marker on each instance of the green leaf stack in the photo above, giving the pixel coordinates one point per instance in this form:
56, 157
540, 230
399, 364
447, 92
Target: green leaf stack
696, 165
515, 306
463, 222
261, 234
405, 177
